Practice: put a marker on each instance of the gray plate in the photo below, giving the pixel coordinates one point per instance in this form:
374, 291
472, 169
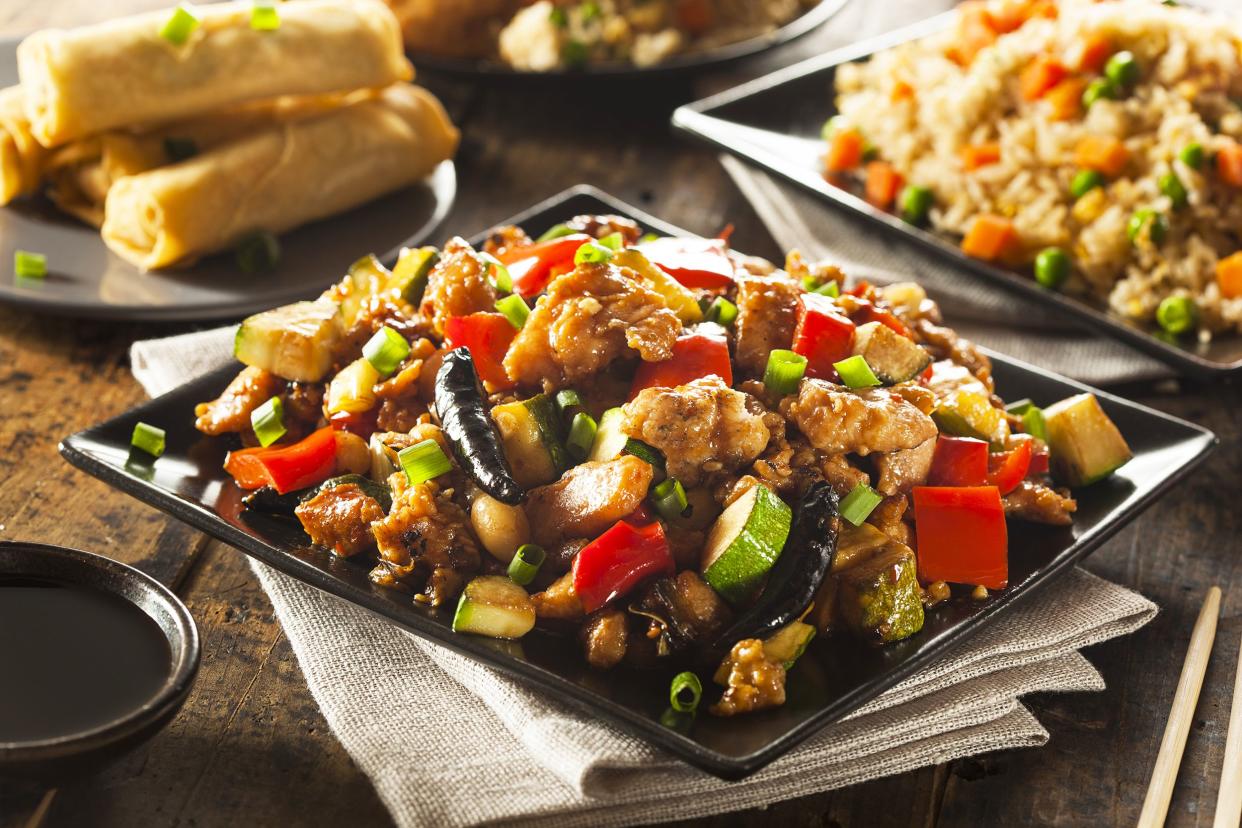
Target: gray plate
87, 279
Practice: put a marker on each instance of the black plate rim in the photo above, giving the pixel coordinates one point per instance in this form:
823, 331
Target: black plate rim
715, 58
727, 767
697, 120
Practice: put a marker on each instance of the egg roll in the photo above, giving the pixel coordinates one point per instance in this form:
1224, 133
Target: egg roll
122, 73
278, 178
21, 156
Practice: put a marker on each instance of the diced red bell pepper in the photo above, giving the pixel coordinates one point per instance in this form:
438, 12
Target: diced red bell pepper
361, 423
1008, 469
533, 266
286, 468
1039, 461
959, 461
616, 561
695, 355
487, 336
695, 263
962, 537
824, 335
868, 312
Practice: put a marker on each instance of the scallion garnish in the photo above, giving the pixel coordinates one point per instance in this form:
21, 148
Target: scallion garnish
721, 311
180, 25
515, 310
592, 252
525, 564
670, 499
613, 241
268, 421
783, 372
860, 503
1020, 407
567, 400
557, 231
257, 253
386, 350
831, 289
27, 265
644, 452
423, 461
501, 280
589, 10
685, 692
581, 435
148, 438
264, 17
1034, 423
560, 20
648, 237
179, 149
856, 373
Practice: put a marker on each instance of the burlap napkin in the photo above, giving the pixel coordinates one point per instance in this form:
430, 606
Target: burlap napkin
449, 742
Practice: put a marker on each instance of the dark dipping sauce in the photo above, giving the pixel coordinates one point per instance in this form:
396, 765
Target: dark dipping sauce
73, 658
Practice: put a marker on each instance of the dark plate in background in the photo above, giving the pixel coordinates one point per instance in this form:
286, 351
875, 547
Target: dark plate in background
87, 279
775, 122
696, 61
834, 678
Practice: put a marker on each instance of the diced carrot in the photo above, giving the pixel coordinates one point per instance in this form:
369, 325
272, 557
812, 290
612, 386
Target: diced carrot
902, 91
1011, 15
1065, 99
990, 237
1096, 50
845, 151
975, 156
883, 182
1102, 153
975, 32
1040, 76
1229, 164
1229, 276
694, 16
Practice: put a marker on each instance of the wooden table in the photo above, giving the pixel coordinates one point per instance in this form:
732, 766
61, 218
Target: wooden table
251, 748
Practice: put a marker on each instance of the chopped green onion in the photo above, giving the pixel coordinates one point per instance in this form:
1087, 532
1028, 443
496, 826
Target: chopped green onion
1192, 155
567, 399
526, 562
575, 53
1177, 314
829, 289
915, 203
1099, 89
180, 25
1172, 186
257, 253
423, 461
592, 252
856, 373
613, 241
1019, 407
783, 372
1052, 267
1122, 69
860, 503
179, 149
1084, 181
644, 452
27, 265
501, 280
1155, 223
589, 10
264, 17
581, 435
685, 692
670, 499
386, 350
721, 311
559, 19
148, 438
515, 310
268, 421
1034, 424
673, 720
648, 238
557, 231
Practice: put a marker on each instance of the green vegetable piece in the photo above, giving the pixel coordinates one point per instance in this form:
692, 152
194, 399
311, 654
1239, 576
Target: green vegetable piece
258, 252
856, 373
494, 606
783, 372
148, 438
915, 203
1085, 181
28, 265
581, 435
575, 53
613, 241
412, 271
1172, 186
526, 562
1123, 69
531, 435
560, 20
1052, 267
515, 309
294, 342
887, 357
180, 24
1177, 314
1083, 443
386, 350
787, 644
589, 10
1100, 89
568, 402
878, 597
647, 238
556, 231
670, 499
860, 503
1146, 220
423, 461
1192, 155
264, 17
501, 280
592, 252
722, 311
685, 692
744, 543
1020, 407
268, 421
1034, 423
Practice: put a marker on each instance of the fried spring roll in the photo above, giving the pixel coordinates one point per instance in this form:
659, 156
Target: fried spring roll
122, 73
278, 178
21, 156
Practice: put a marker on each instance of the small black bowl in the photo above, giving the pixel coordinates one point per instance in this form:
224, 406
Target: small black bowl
81, 752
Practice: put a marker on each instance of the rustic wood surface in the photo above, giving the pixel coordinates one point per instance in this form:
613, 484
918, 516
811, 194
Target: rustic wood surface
251, 748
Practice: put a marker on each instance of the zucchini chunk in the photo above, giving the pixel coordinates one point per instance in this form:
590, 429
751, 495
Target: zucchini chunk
530, 431
788, 643
892, 357
494, 606
1084, 444
610, 438
877, 590
409, 274
294, 342
353, 389
465, 421
744, 543
971, 414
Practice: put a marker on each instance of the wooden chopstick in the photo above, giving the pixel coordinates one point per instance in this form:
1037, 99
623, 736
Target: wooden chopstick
40, 813
1160, 791
1229, 796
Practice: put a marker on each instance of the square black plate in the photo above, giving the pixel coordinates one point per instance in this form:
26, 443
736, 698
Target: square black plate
775, 122
832, 679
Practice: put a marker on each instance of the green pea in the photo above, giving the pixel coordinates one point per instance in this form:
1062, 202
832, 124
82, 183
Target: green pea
1172, 186
1157, 225
1122, 69
1052, 267
1099, 89
915, 203
1177, 314
1084, 181
1192, 155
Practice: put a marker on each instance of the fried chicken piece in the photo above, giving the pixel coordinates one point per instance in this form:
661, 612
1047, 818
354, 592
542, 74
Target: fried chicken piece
839, 420
751, 680
604, 637
457, 285
767, 313
231, 411
340, 519
588, 499
1039, 504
